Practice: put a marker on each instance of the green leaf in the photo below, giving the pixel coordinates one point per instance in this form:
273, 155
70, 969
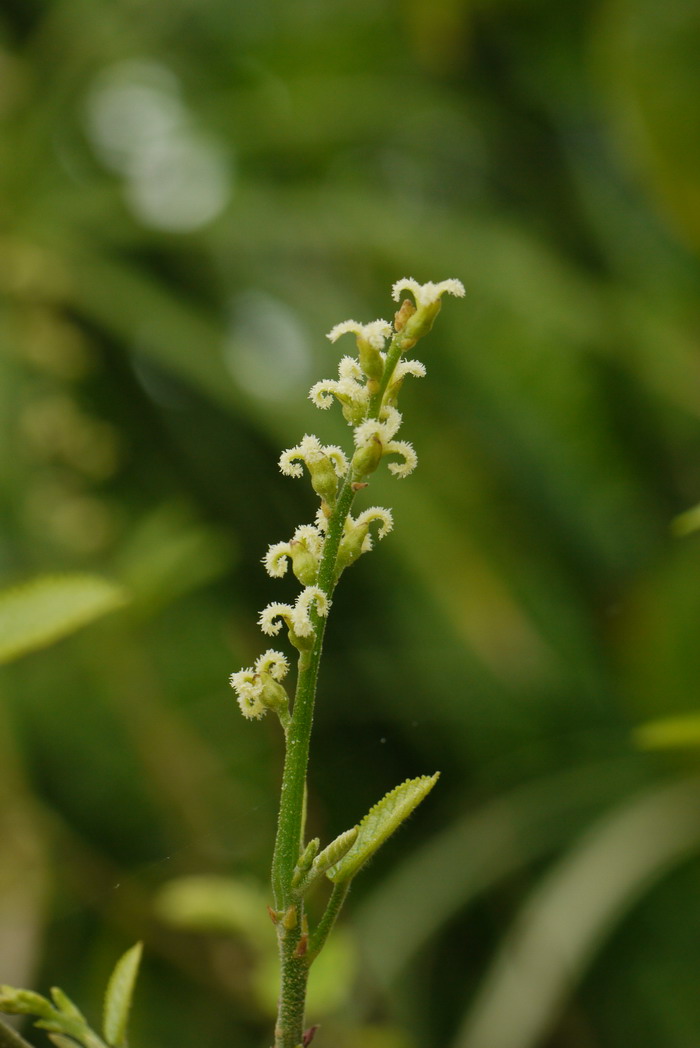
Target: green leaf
61, 1041
120, 989
40, 612
380, 822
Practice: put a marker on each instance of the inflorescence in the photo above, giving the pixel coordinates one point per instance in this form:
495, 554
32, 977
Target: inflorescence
367, 389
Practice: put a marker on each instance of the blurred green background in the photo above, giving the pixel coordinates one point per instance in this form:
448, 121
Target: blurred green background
192, 193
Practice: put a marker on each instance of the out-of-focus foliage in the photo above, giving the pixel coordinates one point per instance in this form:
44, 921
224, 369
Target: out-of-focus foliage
192, 194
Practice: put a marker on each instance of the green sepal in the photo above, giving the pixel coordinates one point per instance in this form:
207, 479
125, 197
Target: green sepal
379, 823
118, 994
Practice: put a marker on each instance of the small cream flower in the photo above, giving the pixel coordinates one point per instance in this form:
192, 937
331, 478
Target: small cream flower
277, 558
375, 333
251, 684
375, 438
313, 453
427, 294
297, 618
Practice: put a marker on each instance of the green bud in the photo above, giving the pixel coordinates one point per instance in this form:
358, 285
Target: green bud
274, 695
23, 1002
324, 479
370, 360
304, 563
305, 860
367, 457
420, 323
351, 545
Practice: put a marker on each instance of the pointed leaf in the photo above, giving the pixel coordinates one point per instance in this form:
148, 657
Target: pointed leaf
37, 613
118, 996
380, 822
61, 1041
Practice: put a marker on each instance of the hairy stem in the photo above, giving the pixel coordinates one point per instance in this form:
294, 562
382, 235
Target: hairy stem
325, 925
290, 826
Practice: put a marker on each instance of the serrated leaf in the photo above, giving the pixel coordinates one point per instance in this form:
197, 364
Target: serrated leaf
380, 822
40, 612
120, 989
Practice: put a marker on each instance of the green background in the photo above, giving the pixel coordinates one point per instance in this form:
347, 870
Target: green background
192, 193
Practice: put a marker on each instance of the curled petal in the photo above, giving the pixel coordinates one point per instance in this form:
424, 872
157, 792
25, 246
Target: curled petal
409, 367
248, 687
289, 464
274, 663
275, 560
311, 537
376, 333
309, 596
349, 367
321, 394
337, 457
427, 294
405, 450
274, 616
384, 517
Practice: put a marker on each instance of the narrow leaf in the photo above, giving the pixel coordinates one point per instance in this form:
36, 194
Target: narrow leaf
120, 989
40, 612
61, 1041
380, 822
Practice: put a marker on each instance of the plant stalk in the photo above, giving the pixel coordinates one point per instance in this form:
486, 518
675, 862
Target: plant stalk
288, 844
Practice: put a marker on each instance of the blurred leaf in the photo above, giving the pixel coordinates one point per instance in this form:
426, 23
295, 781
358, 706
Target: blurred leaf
669, 733
120, 990
573, 909
217, 904
40, 612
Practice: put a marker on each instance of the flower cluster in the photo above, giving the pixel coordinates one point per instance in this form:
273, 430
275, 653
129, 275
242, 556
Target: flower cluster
258, 688
367, 390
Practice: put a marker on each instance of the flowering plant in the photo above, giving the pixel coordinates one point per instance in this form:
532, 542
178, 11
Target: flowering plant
367, 388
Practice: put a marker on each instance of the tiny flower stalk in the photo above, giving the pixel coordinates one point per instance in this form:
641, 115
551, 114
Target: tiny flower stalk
367, 390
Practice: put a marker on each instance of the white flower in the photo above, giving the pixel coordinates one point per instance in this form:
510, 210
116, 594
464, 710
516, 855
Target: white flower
376, 432
274, 663
248, 687
310, 596
427, 294
348, 388
297, 618
313, 453
375, 333
251, 683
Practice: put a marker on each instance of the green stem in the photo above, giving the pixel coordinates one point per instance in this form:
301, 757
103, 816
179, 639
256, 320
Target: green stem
393, 355
325, 925
290, 820
290, 824
9, 1038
